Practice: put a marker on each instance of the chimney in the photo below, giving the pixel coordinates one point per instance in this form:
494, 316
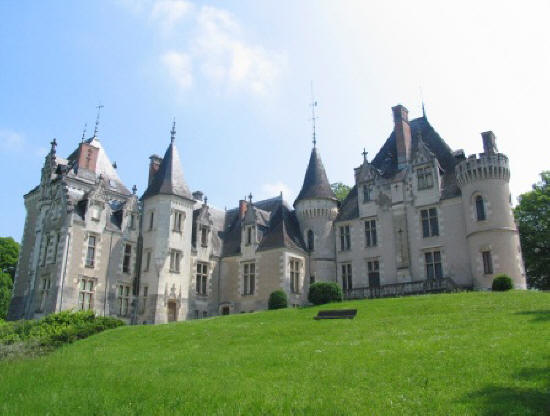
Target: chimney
154, 166
243, 206
489, 142
87, 157
197, 195
402, 135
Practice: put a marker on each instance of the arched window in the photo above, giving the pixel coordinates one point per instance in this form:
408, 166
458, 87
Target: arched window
310, 240
480, 208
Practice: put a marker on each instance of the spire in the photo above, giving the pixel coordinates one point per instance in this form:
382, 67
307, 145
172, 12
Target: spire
316, 184
423, 110
168, 180
365, 153
173, 131
96, 128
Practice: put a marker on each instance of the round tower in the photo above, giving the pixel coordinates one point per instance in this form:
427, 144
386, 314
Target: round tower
316, 209
491, 232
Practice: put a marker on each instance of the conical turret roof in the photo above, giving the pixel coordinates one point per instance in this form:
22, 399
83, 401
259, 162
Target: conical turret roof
316, 184
169, 178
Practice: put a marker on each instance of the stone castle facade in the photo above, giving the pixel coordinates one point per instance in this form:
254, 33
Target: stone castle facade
418, 212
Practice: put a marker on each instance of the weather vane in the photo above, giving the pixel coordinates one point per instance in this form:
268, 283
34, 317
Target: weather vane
96, 129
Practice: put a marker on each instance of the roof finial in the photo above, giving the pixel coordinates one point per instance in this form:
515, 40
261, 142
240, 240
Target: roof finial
173, 131
84, 132
365, 153
250, 197
422, 99
96, 129
54, 145
134, 189
205, 200
313, 116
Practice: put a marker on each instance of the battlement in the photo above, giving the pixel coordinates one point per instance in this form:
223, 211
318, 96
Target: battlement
481, 167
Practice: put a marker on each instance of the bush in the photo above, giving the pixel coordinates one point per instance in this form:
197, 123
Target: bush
324, 292
502, 283
277, 300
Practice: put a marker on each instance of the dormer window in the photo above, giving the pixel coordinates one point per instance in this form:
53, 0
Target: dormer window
94, 213
204, 236
248, 236
425, 178
367, 193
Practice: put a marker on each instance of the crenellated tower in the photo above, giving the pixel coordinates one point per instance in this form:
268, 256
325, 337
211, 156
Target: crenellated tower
491, 231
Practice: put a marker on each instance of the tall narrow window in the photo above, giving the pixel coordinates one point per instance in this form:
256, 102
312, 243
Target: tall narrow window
310, 240
345, 239
143, 303
147, 261
487, 262
347, 283
202, 278
249, 270
480, 208
90, 255
175, 259
45, 290
56, 247
151, 220
178, 221
294, 266
131, 221
425, 178
127, 258
370, 233
46, 248
248, 235
123, 298
433, 265
204, 236
430, 224
86, 294
366, 193
373, 270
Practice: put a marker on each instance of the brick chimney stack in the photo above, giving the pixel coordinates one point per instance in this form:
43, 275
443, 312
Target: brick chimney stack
87, 157
489, 142
154, 166
402, 135
243, 206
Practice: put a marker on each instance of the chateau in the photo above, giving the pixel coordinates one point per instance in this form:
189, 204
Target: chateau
418, 212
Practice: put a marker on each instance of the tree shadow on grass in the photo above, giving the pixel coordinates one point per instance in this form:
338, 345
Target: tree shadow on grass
539, 316
500, 400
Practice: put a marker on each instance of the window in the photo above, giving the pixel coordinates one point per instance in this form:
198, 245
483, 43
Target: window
249, 278
197, 314
175, 258
487, 262
366, 193
123, 299
86, 294
204, 314
433, 265
310, 240
90, 255
178, 220
311, 279
425, 178
204, 236
370, 233
126, 258
373, 269
294, 275
45, 290
46, 248
151, 220
248, 235
345, 240
430, 225
132, 221
55, 247
346, 277
480, 208
143, 304
202, 276
147, 261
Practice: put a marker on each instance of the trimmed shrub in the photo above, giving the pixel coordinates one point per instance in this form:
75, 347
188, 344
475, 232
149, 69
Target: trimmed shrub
502, 283
277, 300
324, 292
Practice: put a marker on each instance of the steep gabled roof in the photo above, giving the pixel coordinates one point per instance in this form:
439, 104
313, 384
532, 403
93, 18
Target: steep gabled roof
316, 184
169, 178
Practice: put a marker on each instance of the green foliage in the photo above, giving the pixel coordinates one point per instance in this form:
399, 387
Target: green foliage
55, 329
533, 218
9, 253
324, 292
277, 300
6, 285
502, 283
340, 190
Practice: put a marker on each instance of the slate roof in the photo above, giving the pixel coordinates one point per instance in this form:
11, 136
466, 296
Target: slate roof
169, 178
316, 184
281, 229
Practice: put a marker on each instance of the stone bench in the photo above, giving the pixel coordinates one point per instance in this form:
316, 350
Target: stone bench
337, 314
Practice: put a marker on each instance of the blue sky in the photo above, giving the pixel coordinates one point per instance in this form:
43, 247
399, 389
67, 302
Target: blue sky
236, 76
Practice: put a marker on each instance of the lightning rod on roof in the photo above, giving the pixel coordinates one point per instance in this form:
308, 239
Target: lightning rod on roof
173, 131
313, 116
96, 128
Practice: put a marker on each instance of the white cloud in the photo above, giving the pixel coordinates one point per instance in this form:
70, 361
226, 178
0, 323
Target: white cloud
169, 12
179, 67
269, 190
11, 141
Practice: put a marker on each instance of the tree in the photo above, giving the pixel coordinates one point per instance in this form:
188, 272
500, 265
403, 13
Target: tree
6, 285
9, 253
533, 218
340, 190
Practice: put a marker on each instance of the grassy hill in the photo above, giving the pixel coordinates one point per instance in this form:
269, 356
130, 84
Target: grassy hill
458, 354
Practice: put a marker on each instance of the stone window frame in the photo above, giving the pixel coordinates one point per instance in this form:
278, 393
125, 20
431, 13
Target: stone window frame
310, 239
205, 232
371, 235
90, 260
201, 278
367, 189
127, 258
123, 296
143, 301
345, 237
249, 278
47, 244
432, 222
425, 178
487, 261
433, 263
374, 266
151, 219
46, 283
346, 273
176, 257
86, 293
147, 259
178, 221
479, 208
295, 274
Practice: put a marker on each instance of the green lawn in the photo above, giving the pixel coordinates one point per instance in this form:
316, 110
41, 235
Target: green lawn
458, 354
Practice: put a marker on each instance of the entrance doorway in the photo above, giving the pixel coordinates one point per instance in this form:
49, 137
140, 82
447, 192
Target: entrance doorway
225, 310
172, 311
